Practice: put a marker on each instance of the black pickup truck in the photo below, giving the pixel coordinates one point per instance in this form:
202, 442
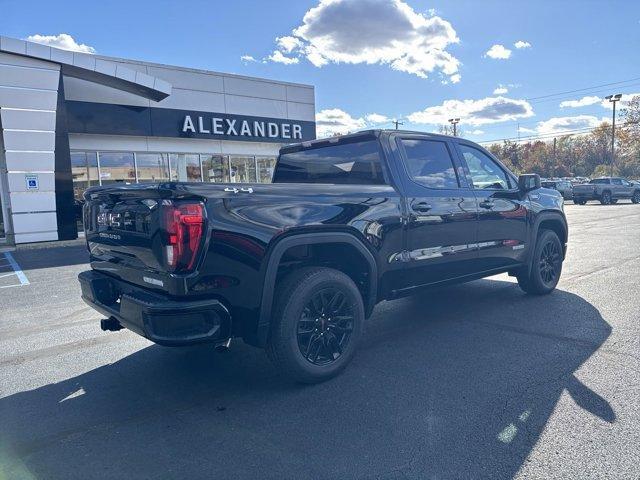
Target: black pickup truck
297, 266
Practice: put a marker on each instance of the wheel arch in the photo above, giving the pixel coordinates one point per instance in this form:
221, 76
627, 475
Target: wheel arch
284, 245
550, 220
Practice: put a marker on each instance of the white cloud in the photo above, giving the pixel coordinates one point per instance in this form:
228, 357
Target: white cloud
558, 125
527, 130
474, 112
500, 90
334, 121
379, 32
522, 44
247, 58
582, 102
63, 41
288, 44
377, 118
278, 57
498, 52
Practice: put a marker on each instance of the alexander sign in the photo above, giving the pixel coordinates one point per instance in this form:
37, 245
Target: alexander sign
110, 119
234, 127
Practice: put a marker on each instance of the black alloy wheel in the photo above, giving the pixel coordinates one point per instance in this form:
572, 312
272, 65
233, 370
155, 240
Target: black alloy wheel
636, 197
550, 263
317, 323
545, 268
606, 198
325, 326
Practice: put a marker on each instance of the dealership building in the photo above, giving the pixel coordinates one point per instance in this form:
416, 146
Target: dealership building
71, 120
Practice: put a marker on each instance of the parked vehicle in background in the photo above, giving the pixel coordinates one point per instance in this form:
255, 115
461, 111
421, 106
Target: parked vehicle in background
297, 265
563, 186
607, 190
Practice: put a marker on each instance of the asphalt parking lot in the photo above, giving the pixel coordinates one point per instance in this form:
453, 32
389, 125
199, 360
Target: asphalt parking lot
475, 381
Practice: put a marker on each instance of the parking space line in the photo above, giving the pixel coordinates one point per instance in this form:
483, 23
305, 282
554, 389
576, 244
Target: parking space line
17, 271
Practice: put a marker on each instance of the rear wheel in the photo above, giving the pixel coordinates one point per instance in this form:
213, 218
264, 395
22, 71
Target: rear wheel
636, 197
318, 322
605, 198
546, 265
580, 202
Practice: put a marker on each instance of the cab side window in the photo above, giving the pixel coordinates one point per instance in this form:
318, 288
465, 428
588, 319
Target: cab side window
484, 172
616, 181
429, 163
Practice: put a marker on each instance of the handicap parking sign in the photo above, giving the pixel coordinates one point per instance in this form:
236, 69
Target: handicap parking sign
32, 182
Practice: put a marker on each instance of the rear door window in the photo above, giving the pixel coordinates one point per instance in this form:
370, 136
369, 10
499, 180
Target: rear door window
429, 163
348, 163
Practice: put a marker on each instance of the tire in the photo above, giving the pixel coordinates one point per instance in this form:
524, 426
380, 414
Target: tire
546, 265
307, 342
580, 202
614, 201
605, 198
636, 197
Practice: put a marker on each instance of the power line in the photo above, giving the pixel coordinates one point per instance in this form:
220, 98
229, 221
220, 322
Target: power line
558, 133
583, 89
584, 93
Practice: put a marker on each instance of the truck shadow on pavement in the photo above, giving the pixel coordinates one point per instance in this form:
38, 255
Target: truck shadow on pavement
458, 383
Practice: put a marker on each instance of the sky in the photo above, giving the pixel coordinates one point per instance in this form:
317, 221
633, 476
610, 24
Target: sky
505, 68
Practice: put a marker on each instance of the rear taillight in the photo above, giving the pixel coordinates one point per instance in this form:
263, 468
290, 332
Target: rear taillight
184, 230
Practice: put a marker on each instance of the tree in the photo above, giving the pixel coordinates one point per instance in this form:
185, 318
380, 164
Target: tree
581, 155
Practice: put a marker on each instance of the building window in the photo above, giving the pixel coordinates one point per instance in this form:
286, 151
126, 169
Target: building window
215, 168
2, 230
243, 169
84, 171
152, 167
116, 167
185, 167
265, 166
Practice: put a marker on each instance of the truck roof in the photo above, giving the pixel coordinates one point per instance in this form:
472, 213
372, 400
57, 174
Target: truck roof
363, 134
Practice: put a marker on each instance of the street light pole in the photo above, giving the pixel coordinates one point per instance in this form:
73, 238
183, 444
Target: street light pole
396, 123
613, 99
454, 122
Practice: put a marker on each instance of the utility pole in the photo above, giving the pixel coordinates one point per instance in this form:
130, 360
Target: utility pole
396, 123
613, 99
454, 122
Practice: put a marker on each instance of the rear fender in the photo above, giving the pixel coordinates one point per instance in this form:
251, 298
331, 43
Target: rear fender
278, 250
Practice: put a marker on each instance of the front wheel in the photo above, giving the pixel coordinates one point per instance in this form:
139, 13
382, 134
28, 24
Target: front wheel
605, 199
318, 322
546, 265
636, 197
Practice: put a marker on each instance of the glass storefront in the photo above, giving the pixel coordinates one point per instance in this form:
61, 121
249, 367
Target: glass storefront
265, 167
243, 169
215, 168
2, 234
185, 167
152, 167
102, 168
116, 167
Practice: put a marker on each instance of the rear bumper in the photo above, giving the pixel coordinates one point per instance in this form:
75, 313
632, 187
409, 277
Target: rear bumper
160, 319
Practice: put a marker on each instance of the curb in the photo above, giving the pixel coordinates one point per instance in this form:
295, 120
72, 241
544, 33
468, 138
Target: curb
42, 245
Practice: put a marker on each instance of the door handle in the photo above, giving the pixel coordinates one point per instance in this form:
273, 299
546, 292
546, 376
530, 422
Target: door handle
421, 207
488, 204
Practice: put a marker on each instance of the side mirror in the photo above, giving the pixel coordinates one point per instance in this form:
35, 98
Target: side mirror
528, 182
